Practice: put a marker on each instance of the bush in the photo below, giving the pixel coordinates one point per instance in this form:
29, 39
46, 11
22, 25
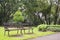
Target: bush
55, 28
17, 17
42, 27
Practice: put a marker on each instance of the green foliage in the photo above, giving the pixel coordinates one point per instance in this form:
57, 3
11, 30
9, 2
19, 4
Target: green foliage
54, 28
33, 6
17, 17
42, 27
53, 9
8, 7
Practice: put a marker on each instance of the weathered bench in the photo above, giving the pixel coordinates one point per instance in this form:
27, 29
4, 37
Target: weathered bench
27, 26
13, 26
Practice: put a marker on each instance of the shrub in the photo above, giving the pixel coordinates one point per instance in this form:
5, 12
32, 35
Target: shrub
51, 28
54, 28
42, 27
17, 17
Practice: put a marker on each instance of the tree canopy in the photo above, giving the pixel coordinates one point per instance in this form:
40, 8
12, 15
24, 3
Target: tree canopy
30, 10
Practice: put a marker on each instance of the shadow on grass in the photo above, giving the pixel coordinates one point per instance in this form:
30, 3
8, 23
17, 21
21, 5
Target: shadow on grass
29, 33
20, 35
16, 35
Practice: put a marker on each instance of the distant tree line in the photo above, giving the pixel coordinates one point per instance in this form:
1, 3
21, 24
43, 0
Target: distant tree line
35, 11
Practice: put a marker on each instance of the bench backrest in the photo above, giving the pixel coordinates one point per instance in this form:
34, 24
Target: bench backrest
16, 25
11, 25
25, 24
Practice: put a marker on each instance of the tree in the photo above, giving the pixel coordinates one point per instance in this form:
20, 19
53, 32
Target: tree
31, 10
33, 6
7, 7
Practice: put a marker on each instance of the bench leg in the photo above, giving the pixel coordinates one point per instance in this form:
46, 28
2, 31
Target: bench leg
17, 31
21, 31
32, 30
29, 31
4, 32
8, 33
24, 31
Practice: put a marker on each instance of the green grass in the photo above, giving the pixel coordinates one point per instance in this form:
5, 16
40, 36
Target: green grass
24, 36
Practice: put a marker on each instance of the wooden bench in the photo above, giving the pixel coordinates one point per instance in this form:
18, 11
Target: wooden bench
27, 26
11, 27
14, 26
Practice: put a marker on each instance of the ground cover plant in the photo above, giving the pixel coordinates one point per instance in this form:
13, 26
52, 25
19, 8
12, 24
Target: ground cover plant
55, 28
45, 27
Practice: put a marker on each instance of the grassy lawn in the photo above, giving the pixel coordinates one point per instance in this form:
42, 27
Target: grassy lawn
24, 36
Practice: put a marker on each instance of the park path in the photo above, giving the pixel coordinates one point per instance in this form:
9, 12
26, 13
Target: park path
50, 37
